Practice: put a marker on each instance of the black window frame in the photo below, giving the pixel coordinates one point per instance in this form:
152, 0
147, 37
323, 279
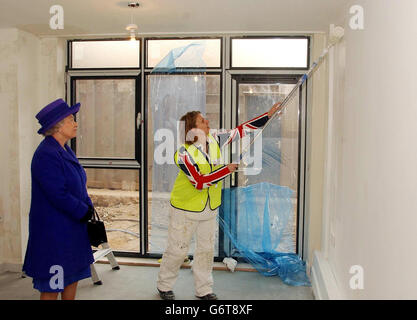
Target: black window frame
116, 162
145, 163
185, 69
137, 151
269, 37
282, 78
69, 54
141, 107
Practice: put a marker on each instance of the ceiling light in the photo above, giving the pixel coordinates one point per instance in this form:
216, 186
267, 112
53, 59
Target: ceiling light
131, 27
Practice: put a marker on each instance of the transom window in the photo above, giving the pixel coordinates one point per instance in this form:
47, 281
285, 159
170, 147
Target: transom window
270, 53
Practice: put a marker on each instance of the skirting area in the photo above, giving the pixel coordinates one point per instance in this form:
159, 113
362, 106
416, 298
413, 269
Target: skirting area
322, 279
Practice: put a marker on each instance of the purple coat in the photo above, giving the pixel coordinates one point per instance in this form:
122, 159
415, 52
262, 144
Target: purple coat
59, 201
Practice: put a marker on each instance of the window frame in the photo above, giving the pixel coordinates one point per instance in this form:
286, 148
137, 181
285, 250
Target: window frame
69, 54
145, 159
285, 79
185, 69
269, 37
226, 87
111, 162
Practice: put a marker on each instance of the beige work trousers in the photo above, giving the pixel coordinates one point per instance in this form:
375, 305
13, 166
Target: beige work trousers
182, 226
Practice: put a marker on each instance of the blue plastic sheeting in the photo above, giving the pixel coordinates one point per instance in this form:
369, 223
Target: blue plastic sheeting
255, 219
170, 96
183, 57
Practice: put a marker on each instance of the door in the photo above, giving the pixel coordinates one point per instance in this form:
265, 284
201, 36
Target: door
273, 162
107, 145
168, 98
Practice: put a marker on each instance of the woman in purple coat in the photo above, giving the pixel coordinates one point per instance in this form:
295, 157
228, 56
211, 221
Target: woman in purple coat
58, 253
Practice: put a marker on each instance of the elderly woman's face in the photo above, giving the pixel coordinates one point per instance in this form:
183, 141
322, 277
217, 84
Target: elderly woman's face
69, 128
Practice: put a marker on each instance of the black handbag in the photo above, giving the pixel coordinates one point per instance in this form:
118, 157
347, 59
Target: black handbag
96, 230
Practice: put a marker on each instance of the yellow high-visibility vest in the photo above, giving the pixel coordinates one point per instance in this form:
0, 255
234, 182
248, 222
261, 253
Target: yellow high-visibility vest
184, 195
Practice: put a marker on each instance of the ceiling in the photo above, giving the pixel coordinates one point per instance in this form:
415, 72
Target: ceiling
110, 17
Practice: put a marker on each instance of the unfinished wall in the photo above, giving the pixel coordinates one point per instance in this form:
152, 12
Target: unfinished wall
28, 80
372, 218
52, 70
18, 90
9, 167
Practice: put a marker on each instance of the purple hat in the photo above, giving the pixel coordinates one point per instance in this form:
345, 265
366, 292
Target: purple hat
55, 112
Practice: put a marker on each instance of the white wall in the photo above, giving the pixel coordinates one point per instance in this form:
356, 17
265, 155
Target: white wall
315, 142
31, 75
373, 203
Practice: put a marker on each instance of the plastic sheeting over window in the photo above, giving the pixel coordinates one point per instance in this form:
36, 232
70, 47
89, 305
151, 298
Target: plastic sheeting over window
172, 92
158, 48
190, 56
257, 229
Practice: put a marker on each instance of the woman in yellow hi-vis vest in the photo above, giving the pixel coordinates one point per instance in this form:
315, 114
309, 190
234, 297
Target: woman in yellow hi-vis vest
195, 197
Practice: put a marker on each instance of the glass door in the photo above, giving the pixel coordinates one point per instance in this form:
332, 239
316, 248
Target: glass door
168, 98
271, 165
107, 145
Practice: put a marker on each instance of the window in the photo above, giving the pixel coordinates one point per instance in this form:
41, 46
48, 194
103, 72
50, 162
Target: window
115, 194
270, 53
127, 129
104, 54
202, 53
106, 120
168, 98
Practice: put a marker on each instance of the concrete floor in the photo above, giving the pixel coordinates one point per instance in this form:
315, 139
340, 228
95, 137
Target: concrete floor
139, 283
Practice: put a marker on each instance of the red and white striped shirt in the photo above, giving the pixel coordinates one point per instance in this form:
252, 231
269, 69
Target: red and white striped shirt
191, 169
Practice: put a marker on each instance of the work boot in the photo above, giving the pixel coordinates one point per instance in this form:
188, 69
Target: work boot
210, 296
166, 295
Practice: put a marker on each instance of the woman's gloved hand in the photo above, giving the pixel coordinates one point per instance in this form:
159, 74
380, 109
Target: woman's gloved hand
88, 215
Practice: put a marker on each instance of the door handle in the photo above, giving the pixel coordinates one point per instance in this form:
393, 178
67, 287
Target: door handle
138, 120
233, 182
